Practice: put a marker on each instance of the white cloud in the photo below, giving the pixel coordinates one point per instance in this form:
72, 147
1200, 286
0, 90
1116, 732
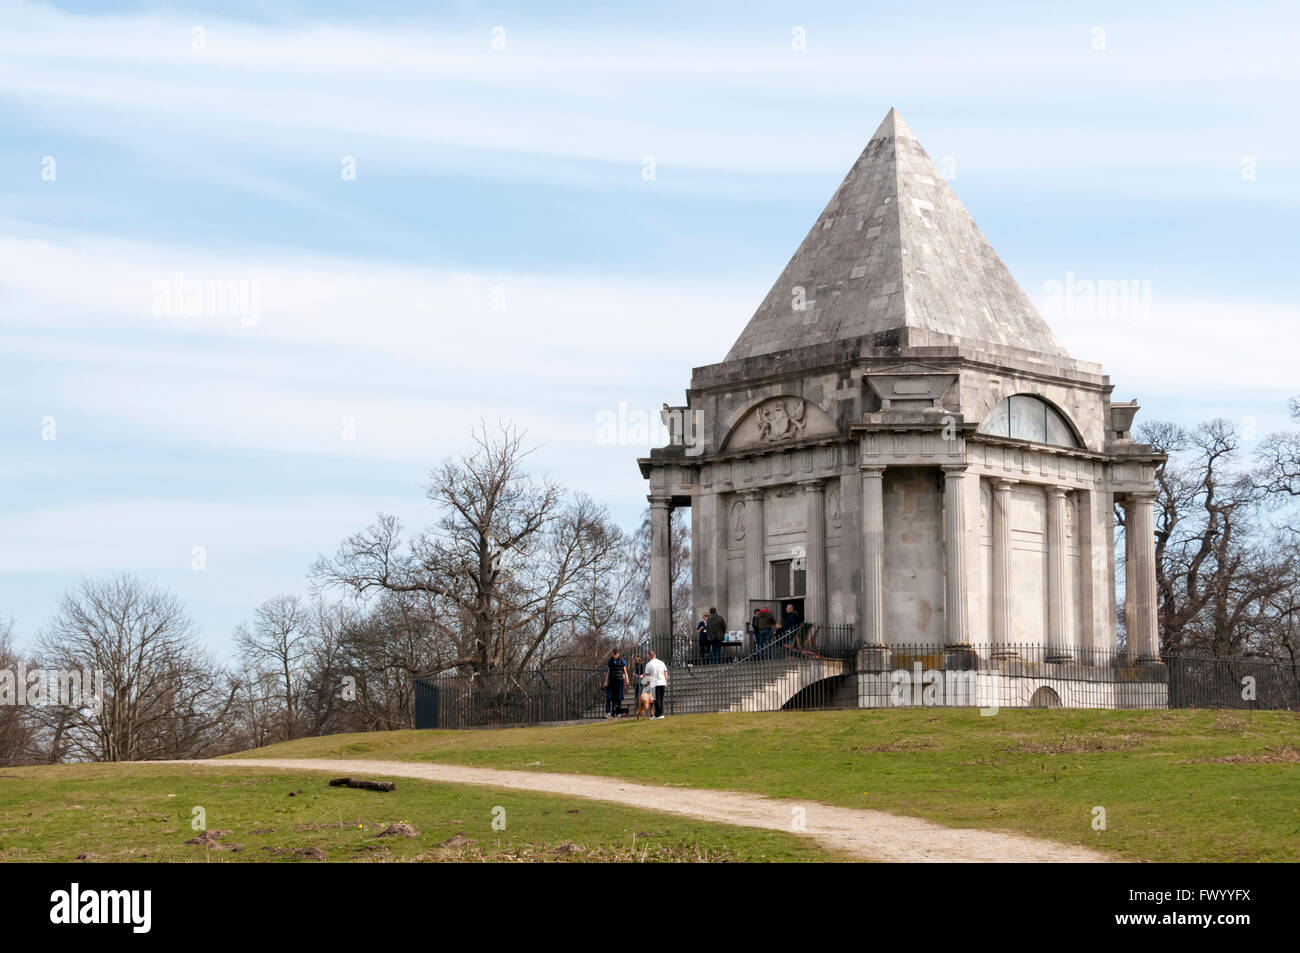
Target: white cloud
1213, 357
411, 356
614, 95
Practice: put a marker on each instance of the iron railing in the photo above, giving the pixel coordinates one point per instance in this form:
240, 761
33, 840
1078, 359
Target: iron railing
1009, 676
1198, 682
823, 667
530, 697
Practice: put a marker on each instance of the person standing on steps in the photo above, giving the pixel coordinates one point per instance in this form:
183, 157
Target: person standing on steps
790, 623
615, 680
764, 624
657, 672
703, 630
717, 633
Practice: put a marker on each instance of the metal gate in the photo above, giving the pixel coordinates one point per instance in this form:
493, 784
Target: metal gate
426, 704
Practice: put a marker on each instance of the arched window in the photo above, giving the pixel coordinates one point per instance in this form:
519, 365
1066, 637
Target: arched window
1025, 417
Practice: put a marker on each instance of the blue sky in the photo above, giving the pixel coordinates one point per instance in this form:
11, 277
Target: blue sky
499, 253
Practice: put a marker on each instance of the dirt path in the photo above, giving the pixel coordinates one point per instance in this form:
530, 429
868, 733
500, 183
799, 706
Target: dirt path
870, 835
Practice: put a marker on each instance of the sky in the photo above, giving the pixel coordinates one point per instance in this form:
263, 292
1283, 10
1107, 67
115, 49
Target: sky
405, 218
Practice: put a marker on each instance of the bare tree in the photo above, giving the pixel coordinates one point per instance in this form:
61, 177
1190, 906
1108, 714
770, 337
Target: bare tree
277, 642
18, 732
163, 695
496, 573
1215, 572
325, 667
1278, 468
255, 709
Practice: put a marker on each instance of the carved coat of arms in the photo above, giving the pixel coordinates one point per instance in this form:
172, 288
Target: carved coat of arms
781, 419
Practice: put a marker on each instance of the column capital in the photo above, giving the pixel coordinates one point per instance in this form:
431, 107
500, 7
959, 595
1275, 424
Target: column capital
1140, 496
955, 469
752, 494
813, 486
1002, 483
1058, 491
657, 501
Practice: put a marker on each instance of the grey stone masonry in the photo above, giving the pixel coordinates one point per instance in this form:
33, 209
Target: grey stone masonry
897, 442
895, 248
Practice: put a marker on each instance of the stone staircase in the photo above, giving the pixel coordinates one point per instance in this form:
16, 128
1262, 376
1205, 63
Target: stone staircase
750, 685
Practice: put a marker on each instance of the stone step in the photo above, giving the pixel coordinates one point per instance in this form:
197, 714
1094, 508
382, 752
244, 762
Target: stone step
743, 686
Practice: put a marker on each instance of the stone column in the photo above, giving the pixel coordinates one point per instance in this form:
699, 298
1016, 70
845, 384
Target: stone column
703, 511
1003, 608
1090, 612
956, 604
814, 607
755, 563
1140, 577
873, 558
661, 596
1058, 578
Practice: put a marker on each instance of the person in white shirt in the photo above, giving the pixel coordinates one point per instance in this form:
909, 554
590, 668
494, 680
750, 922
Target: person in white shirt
657, 672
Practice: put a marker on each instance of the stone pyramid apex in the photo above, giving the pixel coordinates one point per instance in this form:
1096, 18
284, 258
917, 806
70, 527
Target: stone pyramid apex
895, 251
892, 127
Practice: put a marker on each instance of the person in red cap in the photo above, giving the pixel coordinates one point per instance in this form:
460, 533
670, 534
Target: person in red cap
763, 625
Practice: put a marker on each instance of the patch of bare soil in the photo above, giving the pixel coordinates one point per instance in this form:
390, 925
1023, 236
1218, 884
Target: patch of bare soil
400, 829
1282, 754
1087, 744
573, 853
902, 744
210, 839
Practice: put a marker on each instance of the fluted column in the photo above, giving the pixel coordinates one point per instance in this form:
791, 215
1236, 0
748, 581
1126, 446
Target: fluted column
661, 597
956, 612
873, 556
814, 609
1003, 608
755, 565
1058, 578
1140, 577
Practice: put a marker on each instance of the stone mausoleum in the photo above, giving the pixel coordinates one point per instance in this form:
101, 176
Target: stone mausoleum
898, 442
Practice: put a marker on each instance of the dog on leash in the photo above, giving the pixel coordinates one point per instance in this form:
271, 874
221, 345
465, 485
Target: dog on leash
645, 705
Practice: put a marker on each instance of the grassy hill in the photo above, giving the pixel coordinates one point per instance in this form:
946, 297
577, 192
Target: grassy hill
1175, 785
144, 812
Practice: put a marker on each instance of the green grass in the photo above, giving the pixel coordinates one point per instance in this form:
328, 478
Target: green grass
143, 812
1175, 785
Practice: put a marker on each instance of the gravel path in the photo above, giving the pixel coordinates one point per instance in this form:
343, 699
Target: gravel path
869, 835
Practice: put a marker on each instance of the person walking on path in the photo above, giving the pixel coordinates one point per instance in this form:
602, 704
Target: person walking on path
657, 672
717, 633
615, 681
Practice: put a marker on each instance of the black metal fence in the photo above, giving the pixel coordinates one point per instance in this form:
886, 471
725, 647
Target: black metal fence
1233, 683
805, 640
536, 696
823, 667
